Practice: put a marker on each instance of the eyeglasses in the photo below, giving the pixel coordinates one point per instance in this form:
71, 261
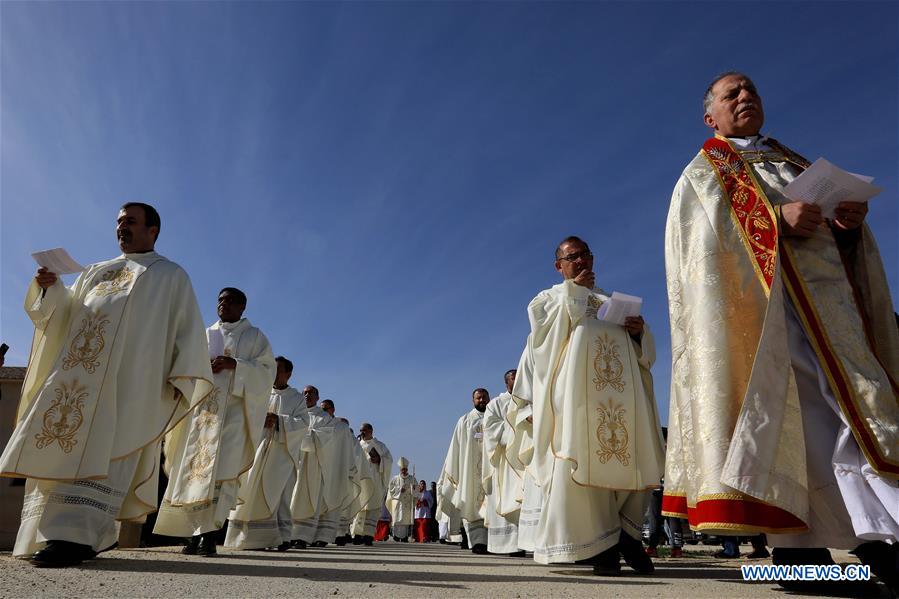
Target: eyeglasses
585, 254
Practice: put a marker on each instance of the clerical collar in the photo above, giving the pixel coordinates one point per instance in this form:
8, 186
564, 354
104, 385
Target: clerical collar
141, 256
230, 326
756, 143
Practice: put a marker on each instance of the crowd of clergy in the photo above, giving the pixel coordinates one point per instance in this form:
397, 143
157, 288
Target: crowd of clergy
784, 407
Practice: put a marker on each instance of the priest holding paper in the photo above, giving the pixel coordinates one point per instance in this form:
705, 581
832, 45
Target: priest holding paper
584, 393
207, 452
117, 360
784, 412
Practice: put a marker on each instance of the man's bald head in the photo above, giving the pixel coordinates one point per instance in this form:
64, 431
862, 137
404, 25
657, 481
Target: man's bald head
366, 431
732, 106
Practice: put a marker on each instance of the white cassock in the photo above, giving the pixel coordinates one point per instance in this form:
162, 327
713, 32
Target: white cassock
531, 494
262, 516
502, 477
362, 485
323, 479
449, 521
402, 494
207, 452
597, 444
117, 360
462, 479
367, 519
784, 415
340, 477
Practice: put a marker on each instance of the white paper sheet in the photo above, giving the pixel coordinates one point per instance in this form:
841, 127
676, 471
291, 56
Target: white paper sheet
57, 261
216, 344
826, 184
619, 307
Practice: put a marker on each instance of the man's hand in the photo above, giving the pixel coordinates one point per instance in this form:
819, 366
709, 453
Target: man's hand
402, 489
271, 421
530, 419
223, 363
44, 278
634, 325
585, 278
850, 215
801, 219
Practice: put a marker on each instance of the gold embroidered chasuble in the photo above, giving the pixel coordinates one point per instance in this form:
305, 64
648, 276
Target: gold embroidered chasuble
587, 385
502, 471
736, 458
117, 360
218, 441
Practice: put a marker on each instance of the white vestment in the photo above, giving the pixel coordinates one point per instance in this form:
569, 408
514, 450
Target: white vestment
210, 450
324, 480
502, 478
117, 360
262, 516
597, 442
402, 494
341, 474
367, 518
462, 475
764, 337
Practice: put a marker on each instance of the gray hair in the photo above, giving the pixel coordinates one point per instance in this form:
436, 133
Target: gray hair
709, 97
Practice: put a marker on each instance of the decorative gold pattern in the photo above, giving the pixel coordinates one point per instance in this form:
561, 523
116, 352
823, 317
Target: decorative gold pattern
607, 364
207, 411
114, 281
612, 433
87, 344
593, 305
200, 462
63, 418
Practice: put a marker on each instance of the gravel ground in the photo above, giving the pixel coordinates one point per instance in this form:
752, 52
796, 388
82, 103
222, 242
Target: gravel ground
385, 570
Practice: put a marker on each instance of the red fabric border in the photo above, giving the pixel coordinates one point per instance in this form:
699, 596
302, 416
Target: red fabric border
736, 512
749, 209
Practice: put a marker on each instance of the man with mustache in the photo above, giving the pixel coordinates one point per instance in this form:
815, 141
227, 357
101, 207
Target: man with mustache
117, 360
784, 414
208, 452
583, 395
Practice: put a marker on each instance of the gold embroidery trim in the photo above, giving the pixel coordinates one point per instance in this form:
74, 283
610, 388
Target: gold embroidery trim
63, 418
612, 433
87, 344
114, 281
607, 364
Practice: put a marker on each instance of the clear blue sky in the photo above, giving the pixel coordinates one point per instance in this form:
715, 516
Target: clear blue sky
387, 181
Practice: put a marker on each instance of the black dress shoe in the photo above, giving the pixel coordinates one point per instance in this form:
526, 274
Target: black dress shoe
319, 544
192, 544
479, 549
883, 559
520, 553
634, 555
284, 546
298, 544
368, 540
358, 540
340, 541
819, 556
206, 548
62, 554
607, 563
